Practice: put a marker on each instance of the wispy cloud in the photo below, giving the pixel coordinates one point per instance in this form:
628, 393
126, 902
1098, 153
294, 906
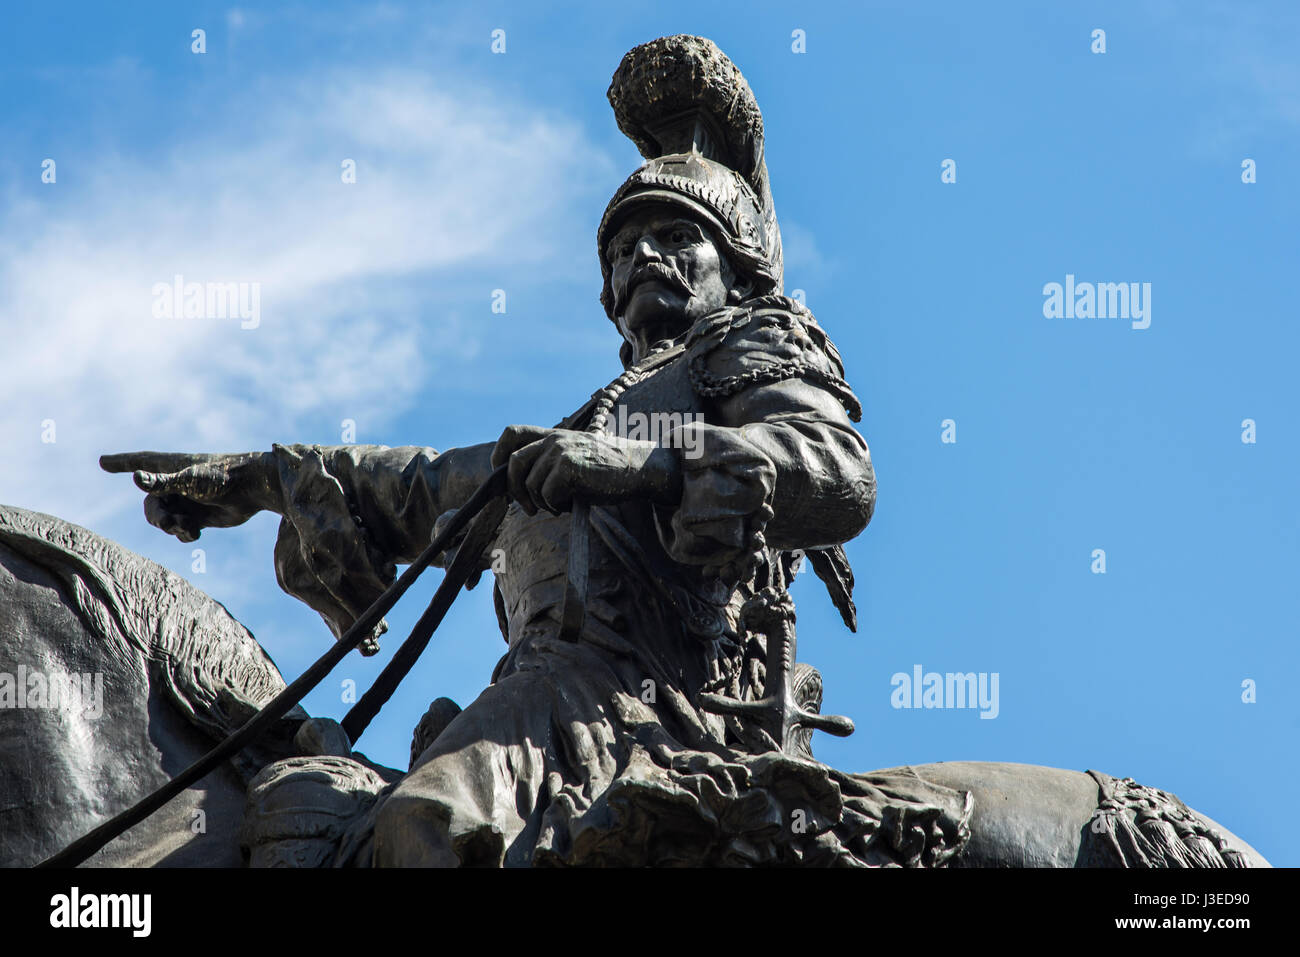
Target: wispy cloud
447, 177
1248, 55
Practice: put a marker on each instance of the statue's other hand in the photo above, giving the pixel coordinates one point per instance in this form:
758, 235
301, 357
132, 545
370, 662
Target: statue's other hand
191, 491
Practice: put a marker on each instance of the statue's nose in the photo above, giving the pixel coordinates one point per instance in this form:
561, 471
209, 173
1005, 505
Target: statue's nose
646, 251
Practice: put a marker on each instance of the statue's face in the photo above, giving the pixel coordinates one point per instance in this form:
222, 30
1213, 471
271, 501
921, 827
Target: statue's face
666, 272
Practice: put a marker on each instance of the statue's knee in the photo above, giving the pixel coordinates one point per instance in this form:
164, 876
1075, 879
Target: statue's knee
299, 809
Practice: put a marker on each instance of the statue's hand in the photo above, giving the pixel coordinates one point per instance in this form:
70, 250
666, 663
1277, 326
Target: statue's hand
549, 468
188, 492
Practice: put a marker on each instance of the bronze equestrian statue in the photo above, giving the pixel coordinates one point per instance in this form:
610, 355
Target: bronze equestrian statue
649, 709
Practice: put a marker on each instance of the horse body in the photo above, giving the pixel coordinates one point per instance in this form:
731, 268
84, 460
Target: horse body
1027, 815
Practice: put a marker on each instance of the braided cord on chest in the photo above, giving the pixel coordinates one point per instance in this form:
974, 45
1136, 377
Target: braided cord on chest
712, 386
609, 396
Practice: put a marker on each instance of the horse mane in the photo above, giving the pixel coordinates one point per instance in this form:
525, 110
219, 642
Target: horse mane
208, 664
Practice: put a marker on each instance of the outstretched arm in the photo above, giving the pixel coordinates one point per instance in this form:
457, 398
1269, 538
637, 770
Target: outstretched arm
353, 513
350, 513
394, 494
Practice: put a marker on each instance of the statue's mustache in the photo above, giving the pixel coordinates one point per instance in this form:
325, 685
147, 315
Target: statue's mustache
661, 271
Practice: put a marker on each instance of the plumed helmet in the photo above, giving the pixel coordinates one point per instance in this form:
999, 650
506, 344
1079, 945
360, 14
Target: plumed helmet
693, 116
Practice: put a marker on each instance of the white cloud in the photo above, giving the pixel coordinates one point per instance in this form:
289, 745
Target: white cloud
447, 180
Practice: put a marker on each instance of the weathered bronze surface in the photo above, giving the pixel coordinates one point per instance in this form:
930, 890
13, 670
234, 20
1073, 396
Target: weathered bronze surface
650, 709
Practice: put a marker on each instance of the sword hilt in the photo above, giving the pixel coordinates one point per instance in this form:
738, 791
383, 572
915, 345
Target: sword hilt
777, 714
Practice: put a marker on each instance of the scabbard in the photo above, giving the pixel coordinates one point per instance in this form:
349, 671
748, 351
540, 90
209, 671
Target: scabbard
574, 613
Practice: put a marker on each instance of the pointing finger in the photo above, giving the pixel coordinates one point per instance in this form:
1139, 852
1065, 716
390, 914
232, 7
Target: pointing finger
151, 461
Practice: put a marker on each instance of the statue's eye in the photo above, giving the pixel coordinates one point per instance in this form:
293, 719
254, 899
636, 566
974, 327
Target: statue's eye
679, 237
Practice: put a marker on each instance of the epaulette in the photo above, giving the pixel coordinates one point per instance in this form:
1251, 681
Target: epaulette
765, 339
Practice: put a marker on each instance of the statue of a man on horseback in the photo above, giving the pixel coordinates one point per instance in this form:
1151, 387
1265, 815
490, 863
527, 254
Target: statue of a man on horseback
649, 708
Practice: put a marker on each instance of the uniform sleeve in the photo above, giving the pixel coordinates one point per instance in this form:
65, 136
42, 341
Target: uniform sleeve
352, 513
776, 461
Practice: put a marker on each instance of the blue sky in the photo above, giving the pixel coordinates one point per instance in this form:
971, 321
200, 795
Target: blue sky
478, 172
